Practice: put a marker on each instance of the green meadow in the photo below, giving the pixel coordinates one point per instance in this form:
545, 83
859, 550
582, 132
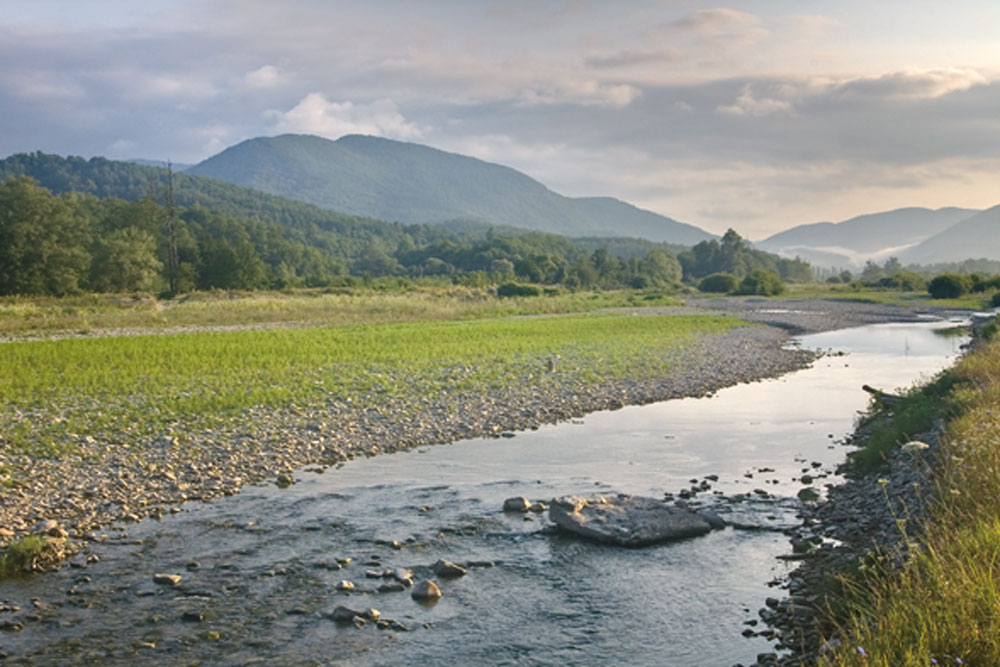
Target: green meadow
120, 388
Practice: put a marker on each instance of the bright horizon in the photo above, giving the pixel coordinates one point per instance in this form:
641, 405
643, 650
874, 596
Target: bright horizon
750, 115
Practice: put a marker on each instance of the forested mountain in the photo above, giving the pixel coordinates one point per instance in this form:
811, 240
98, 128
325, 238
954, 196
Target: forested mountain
873, 236
412, 183
105, 228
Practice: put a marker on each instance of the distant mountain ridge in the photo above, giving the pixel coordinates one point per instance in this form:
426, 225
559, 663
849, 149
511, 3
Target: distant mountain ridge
412, 183
873, 236
973, 238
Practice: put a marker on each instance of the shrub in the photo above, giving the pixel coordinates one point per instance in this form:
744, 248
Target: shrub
907, 281
995, 301
761, 282
719, 283
517, 289
949, 286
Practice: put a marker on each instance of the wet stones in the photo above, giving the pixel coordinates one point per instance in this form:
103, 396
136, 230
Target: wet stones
624, 520
426, 591
516, 504
448, 570
167, 579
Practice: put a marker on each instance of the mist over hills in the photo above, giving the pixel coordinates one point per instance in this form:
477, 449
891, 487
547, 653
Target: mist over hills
975, 237
873, 236
412, 183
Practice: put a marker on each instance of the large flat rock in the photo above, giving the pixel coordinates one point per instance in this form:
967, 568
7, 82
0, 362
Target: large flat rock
630, 521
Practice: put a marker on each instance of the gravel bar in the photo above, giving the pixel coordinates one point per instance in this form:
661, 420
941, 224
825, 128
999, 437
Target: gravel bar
107, 482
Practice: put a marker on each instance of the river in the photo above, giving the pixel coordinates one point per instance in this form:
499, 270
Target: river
259, 570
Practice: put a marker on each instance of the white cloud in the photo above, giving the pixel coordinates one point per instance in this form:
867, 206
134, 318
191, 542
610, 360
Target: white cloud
914, 83
711, 22
587, 92
747, 104
265, 76
314, 114
42, 86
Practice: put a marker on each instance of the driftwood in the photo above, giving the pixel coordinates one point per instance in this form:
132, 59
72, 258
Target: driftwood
887, 401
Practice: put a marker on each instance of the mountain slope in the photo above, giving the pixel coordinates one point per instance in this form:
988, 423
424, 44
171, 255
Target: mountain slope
876, 235
976, 237
394, 180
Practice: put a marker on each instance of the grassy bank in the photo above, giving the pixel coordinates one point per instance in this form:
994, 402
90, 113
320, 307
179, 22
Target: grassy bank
90, 314
120, 389
944, 607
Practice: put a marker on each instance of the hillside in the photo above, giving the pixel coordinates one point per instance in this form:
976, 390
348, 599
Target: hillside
977, 237
411, 183
873, 236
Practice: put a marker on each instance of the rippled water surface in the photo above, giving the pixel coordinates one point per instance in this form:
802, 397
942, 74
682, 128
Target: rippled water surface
260, 569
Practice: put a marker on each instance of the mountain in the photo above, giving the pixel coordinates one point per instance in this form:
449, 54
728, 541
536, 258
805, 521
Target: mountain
177, 166
976, 237
412, 183
874, 236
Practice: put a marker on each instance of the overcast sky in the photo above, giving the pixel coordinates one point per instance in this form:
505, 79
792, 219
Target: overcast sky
752, 115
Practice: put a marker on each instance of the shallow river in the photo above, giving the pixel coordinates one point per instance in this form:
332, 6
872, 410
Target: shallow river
259, 570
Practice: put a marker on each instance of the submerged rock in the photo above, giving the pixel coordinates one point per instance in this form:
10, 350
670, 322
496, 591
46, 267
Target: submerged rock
630, 521
516, 504
447, 569
426, 590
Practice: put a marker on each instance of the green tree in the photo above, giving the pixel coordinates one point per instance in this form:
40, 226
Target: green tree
43, 242
125, 261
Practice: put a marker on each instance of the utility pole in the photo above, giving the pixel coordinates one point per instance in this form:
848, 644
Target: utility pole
173, 263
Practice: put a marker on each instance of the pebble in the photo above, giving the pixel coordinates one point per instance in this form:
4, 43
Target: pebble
425, 590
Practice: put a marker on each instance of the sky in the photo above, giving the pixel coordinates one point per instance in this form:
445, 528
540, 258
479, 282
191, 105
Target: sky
752, 115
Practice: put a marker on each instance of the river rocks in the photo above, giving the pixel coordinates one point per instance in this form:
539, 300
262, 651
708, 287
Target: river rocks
167, 579
624, 520
448, 570
344, 614
345, 585
516, 504
425, 590
808, 494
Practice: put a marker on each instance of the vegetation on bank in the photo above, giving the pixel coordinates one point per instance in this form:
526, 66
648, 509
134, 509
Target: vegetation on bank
53, 393
944, 606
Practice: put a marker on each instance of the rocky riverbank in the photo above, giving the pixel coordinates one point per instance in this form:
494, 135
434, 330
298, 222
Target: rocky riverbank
107, 481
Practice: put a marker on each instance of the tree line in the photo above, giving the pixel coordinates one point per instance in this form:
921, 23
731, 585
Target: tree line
78, 241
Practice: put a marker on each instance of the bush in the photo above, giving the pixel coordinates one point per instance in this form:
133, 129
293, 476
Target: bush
517, 289
949, 286
908, 281
719, 283
995, 302
761, 282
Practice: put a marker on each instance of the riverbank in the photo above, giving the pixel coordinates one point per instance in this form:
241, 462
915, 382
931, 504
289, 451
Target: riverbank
117, 476
905, 568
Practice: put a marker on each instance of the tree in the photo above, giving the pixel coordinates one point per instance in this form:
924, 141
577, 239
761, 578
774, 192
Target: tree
43, 243
125, 261
761, 282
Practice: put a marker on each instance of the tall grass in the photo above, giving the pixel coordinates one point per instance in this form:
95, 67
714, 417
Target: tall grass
945, 604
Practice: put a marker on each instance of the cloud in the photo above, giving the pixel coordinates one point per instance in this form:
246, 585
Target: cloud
586, 92
717, 22
747, 104
43, 86
913, 83
265, 76
314, 114
630, 58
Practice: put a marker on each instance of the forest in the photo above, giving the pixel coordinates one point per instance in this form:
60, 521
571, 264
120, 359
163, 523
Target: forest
69, 225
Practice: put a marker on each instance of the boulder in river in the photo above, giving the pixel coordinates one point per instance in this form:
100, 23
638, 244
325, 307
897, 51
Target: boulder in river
447, 569
624, 520
516, 504
426, 590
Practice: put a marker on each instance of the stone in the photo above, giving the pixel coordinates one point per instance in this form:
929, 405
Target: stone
447, 569
391, 587
624, 520
808, 494
517, 504
345, 585
712, 519
425, 590
167, 579
344, 614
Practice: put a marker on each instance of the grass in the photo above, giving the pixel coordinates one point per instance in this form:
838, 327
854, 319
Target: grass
118, 389
24, 316
915, 413
883, 296
24, 555
945, 604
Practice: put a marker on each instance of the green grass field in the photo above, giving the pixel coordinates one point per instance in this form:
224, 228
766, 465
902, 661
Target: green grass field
52, 392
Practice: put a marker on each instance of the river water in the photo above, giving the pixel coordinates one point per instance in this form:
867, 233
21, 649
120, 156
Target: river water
259, 569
